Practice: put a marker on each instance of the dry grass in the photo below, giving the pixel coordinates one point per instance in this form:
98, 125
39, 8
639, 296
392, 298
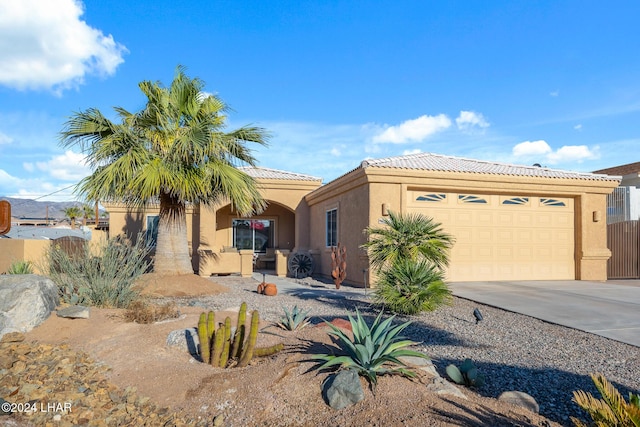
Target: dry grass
142, 311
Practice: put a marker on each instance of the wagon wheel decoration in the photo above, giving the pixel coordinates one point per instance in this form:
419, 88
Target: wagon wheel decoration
300, 265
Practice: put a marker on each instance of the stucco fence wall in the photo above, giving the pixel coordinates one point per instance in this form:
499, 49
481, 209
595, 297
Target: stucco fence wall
34, 250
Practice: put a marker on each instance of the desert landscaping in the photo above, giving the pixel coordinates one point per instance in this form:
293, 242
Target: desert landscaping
114, 372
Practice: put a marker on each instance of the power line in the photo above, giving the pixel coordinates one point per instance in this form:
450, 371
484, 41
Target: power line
47, 195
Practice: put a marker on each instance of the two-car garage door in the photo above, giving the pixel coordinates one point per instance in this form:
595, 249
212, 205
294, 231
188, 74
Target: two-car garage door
501, 237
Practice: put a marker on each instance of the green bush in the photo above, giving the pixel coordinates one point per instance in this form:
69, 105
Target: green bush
410, 287
103, 280
373, 351
20, 267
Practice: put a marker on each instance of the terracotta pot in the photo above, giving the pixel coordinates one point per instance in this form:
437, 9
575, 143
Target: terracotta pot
270, 289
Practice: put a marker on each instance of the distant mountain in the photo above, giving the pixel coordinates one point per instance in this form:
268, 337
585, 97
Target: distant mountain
26, 208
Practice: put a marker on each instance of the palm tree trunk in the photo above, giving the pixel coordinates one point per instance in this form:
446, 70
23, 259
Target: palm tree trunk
172, 250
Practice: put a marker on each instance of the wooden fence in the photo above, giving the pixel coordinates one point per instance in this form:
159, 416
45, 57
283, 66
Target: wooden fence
623, 239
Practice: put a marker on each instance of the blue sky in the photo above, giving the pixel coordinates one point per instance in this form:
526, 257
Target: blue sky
335, 82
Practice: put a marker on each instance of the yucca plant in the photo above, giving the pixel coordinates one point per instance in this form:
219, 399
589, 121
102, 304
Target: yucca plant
610, 411
20, 267
294, 319
373, 351
410, 287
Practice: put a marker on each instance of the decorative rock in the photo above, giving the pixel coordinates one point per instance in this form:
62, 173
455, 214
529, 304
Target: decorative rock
218, 420
184, 339
443, 387
520, 398
26, 300
74, 312
343, 389
12, 337
423, 364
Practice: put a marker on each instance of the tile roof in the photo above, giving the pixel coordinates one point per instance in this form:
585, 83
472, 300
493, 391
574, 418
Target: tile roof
437, 162
266, 173
628, 169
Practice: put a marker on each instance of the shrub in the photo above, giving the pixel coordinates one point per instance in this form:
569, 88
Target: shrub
141, 311
103, 280
373, 351
612, 410
20, 267
409, 287
294, 319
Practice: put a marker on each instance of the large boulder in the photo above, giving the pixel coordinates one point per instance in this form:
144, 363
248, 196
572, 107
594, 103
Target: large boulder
26, 300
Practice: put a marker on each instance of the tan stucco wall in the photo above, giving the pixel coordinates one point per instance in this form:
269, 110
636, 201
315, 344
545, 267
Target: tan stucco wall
12, 250
209, 227
374, 187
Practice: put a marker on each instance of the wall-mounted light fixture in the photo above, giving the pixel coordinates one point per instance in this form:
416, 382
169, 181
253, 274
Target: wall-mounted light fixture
597, 216
385, 209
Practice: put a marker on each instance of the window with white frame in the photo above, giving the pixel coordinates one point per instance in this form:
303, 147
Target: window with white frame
332, 227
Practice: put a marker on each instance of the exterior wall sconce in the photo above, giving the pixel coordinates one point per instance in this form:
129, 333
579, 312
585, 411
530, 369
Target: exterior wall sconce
597, 216
385, 209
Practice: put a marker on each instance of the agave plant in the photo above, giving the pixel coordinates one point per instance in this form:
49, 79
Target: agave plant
374, 350
20, 267
612, 410
294, 319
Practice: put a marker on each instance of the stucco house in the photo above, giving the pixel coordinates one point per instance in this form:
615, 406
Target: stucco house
510, 222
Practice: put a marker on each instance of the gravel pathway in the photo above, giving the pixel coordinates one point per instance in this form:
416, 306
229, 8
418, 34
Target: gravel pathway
513, 351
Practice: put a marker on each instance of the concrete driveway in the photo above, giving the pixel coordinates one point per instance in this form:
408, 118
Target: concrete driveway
610, 309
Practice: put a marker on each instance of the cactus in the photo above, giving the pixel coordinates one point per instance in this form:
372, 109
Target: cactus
238, 338
218, 344
220, 347
211, 325
224, 357
203, 336
338, 264
268, 351
466, 374
247, 351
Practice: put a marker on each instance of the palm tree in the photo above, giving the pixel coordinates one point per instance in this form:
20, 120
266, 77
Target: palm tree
411, 236
72, 212
87, 213
173, 152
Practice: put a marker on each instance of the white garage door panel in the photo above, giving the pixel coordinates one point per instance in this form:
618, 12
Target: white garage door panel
528, 239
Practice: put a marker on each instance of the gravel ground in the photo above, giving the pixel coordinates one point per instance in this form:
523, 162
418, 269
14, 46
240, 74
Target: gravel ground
513, 351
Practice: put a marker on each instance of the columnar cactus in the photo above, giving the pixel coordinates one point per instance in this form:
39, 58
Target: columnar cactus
203, 336
222, 348
247, 351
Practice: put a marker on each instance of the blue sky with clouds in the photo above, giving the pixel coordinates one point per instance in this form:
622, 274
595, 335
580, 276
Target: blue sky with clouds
335, 82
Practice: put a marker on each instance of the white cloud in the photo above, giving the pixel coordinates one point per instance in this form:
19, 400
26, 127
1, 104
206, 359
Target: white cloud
531, 148
573, 153
578, 127
542, 151
414, 151
69, 166
5, 139
414, 130
45, 45
469, 120
335, 152
555, 93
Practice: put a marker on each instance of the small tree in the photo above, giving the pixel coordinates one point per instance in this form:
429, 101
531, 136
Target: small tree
409, 253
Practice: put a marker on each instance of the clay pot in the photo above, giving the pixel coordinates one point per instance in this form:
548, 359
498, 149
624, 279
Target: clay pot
270, 289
